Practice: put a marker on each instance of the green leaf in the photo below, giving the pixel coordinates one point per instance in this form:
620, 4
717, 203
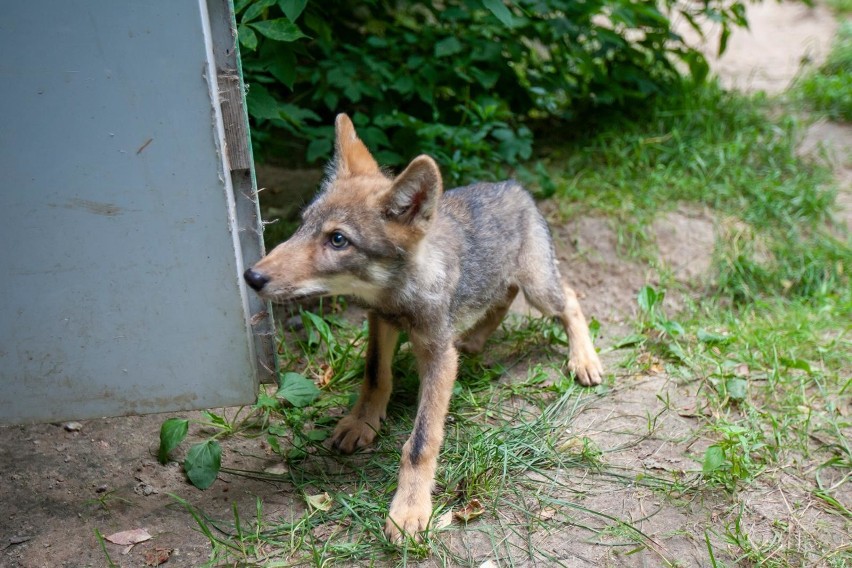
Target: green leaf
216, 420
448, 46
648, 299
737, 388
319, 148
261, 104
292, 8
485, 78
273, 443
672, 328
629, 341
280, 29
705, 336
594, 328
172, 433
714, 458
283, 67
202, 463
247, 37
500, 11
297, 389
800, 364
256, 10
266, 402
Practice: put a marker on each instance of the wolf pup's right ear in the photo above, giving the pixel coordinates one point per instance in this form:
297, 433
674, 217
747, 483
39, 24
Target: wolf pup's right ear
413, 197
351, 157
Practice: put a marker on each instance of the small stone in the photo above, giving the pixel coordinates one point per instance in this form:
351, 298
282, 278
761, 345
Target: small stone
72, 426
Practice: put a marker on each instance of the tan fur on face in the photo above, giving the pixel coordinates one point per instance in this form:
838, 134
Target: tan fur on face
353, 158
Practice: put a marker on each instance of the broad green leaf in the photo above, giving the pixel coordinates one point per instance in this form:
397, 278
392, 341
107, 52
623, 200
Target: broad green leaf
172, 433
297, 389
261, 104
648, 299
247, 37
673, 328
705, 336
283, 68
256, 10
714, 458
448, 46
202, 463
319, 148
800, 364
266, 402
278, 429
280, 29
485, 78
500, 11
737, 388
273, 443
216, 420
629, 341
292, 8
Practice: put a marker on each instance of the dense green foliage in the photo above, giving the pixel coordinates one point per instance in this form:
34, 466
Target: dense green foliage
720, 150
465, 80
829, 89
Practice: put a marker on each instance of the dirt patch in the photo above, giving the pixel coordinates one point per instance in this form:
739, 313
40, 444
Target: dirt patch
58, 487
831, 143
782, 36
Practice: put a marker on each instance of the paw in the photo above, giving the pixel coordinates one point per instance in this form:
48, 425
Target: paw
409, 519
586, 366
471, 345
353, 432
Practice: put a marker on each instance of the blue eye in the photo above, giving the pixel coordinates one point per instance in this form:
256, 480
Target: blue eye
337, 240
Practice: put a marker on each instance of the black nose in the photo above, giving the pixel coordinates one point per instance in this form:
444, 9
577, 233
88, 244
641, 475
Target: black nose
255, 279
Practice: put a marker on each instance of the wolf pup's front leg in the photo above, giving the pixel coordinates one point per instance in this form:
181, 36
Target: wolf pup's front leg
359, 427
411, 507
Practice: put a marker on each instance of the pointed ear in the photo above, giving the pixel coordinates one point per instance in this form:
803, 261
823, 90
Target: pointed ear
351, 157
413, 197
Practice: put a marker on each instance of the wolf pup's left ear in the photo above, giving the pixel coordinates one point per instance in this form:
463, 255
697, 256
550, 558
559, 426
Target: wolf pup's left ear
414, 195
351, 157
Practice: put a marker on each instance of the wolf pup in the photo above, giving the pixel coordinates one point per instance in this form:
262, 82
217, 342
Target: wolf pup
443, 266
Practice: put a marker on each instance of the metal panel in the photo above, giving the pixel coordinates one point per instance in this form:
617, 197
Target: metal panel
123, 222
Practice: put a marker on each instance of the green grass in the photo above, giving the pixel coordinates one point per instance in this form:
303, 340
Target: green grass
828, 90
764, 353
719, 150
841, 7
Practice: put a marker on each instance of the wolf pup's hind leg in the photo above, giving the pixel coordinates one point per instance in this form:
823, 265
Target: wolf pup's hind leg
544, 289
474, 340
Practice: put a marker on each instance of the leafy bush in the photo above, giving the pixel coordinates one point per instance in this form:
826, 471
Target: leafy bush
829, 89
460, 80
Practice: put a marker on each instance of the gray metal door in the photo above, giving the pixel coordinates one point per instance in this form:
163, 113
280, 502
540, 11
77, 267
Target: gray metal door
127, 212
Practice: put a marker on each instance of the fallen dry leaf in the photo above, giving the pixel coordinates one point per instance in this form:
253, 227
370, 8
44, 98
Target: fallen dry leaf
157, 556
327, 373
547, 513
470, 511
321, 502
133, 536
276, 469
572, 445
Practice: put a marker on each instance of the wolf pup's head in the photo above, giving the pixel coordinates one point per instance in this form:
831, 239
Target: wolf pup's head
358, 233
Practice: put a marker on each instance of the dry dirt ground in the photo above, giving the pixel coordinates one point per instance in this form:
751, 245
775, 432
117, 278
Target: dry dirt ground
58, 486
